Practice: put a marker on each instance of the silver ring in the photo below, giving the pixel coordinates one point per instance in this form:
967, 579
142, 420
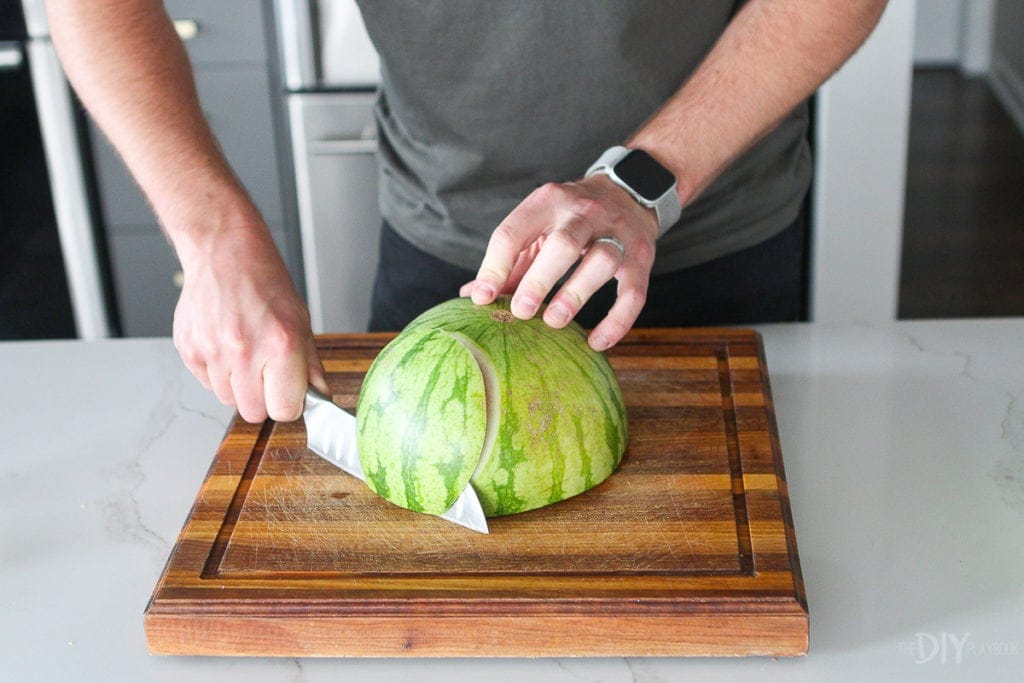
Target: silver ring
614, 241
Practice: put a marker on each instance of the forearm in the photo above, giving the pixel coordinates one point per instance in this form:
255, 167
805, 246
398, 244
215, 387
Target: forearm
239, 325
132, 73
773, 55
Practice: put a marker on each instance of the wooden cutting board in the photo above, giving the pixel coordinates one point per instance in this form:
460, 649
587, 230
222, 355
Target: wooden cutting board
688, 549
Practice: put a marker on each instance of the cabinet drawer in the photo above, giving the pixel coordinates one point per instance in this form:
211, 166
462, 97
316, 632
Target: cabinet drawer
147, 280
144, 268
226, 31
237, 104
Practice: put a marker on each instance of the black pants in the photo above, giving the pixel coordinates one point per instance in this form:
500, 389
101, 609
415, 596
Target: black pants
761, 284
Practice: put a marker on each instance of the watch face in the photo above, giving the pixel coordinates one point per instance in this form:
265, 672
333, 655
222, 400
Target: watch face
647, 177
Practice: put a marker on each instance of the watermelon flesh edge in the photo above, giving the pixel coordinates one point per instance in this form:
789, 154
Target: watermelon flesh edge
492, 398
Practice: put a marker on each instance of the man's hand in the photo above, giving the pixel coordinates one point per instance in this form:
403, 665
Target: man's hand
243, 331
547, 234
239, 325
773, 54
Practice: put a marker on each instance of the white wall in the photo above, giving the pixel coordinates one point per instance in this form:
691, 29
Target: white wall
861, 130
977, 35
954, 33
1007, 77
937, 32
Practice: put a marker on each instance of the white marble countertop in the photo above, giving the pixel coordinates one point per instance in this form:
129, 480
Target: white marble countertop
904, 450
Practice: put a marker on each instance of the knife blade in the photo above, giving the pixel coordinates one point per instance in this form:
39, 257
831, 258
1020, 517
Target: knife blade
331, 434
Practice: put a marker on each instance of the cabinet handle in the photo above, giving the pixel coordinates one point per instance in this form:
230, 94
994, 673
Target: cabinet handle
178, 278
343, 146
10, 56
187, 28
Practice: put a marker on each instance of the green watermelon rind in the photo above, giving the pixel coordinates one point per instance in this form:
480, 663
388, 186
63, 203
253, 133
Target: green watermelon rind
561, 420
400, 412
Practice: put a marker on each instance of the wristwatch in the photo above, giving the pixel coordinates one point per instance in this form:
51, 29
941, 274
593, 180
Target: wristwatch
649, 183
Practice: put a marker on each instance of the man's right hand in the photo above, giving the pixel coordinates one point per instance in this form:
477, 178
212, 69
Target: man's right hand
242, 329
239, 326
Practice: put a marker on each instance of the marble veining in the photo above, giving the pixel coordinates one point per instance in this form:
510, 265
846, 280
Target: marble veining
904, 450
122, 513
1007, 472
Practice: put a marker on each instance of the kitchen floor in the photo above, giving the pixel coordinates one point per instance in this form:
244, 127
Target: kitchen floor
963, 240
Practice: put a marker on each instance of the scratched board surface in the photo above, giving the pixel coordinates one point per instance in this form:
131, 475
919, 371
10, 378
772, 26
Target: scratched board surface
695, 521
672, 505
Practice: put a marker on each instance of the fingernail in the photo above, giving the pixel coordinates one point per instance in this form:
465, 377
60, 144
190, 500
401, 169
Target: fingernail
600, 342
557, 315
483, 294
524, 307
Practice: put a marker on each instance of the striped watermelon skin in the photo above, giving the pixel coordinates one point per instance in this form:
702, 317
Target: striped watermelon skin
416, 383
557, 418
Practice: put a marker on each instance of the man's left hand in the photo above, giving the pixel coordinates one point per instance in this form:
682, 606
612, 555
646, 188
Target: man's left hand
543, 237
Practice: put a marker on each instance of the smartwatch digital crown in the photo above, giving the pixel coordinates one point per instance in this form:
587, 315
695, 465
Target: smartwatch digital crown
646, 180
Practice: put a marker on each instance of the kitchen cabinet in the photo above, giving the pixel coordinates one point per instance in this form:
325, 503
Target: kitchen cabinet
230, 45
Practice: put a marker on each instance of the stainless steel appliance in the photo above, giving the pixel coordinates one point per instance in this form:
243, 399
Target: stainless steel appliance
331, 73
51, 280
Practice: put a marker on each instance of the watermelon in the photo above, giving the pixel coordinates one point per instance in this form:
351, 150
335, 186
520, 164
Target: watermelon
528, 414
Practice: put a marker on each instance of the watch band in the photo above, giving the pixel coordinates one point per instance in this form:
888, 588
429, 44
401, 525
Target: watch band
667, 207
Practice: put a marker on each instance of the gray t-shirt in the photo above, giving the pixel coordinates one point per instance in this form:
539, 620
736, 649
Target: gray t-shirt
481, 102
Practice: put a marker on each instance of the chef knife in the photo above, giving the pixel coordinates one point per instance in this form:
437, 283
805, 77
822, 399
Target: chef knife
331, 434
